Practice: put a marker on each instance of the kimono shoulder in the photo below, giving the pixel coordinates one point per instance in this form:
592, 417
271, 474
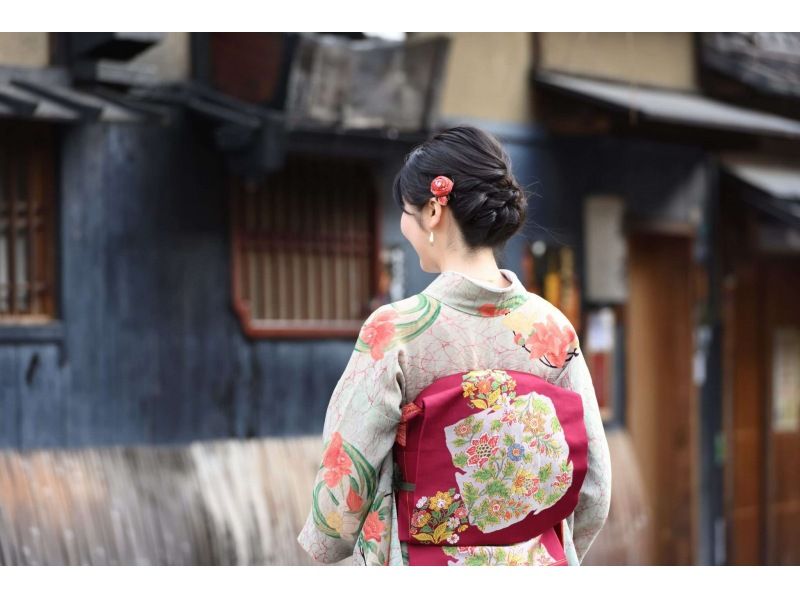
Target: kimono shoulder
410, 317
545, 332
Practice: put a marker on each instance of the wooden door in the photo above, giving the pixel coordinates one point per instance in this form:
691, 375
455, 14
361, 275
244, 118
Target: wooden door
781, 342
761, 360
660, 395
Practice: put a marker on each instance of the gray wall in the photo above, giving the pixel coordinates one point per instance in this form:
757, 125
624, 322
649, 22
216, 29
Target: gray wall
150, 350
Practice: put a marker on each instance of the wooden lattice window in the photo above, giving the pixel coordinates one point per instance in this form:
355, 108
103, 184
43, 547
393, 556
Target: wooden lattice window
27, 230
305, 248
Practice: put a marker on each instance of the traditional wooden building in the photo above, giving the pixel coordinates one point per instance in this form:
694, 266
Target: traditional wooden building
192, 228
680, 152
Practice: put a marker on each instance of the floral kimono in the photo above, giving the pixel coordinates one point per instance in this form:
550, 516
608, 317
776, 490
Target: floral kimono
514, 466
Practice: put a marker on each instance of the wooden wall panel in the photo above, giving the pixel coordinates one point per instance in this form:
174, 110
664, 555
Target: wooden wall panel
247, 66
743, 404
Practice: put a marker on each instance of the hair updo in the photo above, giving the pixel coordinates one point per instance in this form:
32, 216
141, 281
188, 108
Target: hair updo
487, 201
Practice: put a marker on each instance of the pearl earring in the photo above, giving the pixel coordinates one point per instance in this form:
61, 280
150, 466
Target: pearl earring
431, 238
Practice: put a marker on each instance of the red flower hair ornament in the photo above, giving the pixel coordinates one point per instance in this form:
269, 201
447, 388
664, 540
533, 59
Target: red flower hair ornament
441, 187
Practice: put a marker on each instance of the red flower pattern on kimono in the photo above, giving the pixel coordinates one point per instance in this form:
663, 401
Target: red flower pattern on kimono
335, 461
550, 341
481, 449
563, 479
463, 428
373, 527
354, 501
525, 483
378, 332
490, 310
509, 416
420, 518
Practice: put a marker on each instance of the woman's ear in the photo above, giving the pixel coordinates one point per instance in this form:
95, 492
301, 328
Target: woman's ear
435, 211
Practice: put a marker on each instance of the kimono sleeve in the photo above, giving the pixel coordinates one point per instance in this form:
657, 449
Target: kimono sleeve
358, 434
594, 499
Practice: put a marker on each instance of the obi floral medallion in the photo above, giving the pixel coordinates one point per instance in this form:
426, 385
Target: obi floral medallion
512, 451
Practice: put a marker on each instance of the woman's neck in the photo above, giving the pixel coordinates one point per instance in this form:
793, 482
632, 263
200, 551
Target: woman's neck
482, 267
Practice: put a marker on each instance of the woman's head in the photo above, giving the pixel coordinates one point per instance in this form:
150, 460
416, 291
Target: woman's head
486, 206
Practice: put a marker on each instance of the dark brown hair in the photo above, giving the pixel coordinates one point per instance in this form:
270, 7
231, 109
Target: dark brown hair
487, 201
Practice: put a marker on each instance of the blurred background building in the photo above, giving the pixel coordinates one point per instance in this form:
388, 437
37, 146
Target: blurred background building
193, 227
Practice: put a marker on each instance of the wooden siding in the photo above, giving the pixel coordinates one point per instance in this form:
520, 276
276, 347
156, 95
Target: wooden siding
209, 503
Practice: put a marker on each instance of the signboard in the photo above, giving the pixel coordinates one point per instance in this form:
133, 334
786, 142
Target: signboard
599, 350
366, 84
605, 249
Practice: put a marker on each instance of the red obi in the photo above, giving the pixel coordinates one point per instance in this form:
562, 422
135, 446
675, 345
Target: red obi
488, 458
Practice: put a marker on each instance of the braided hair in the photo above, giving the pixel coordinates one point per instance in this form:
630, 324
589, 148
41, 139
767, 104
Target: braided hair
487, 202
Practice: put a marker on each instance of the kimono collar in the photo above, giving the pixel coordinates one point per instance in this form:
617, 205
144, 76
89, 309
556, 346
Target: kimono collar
476, 297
